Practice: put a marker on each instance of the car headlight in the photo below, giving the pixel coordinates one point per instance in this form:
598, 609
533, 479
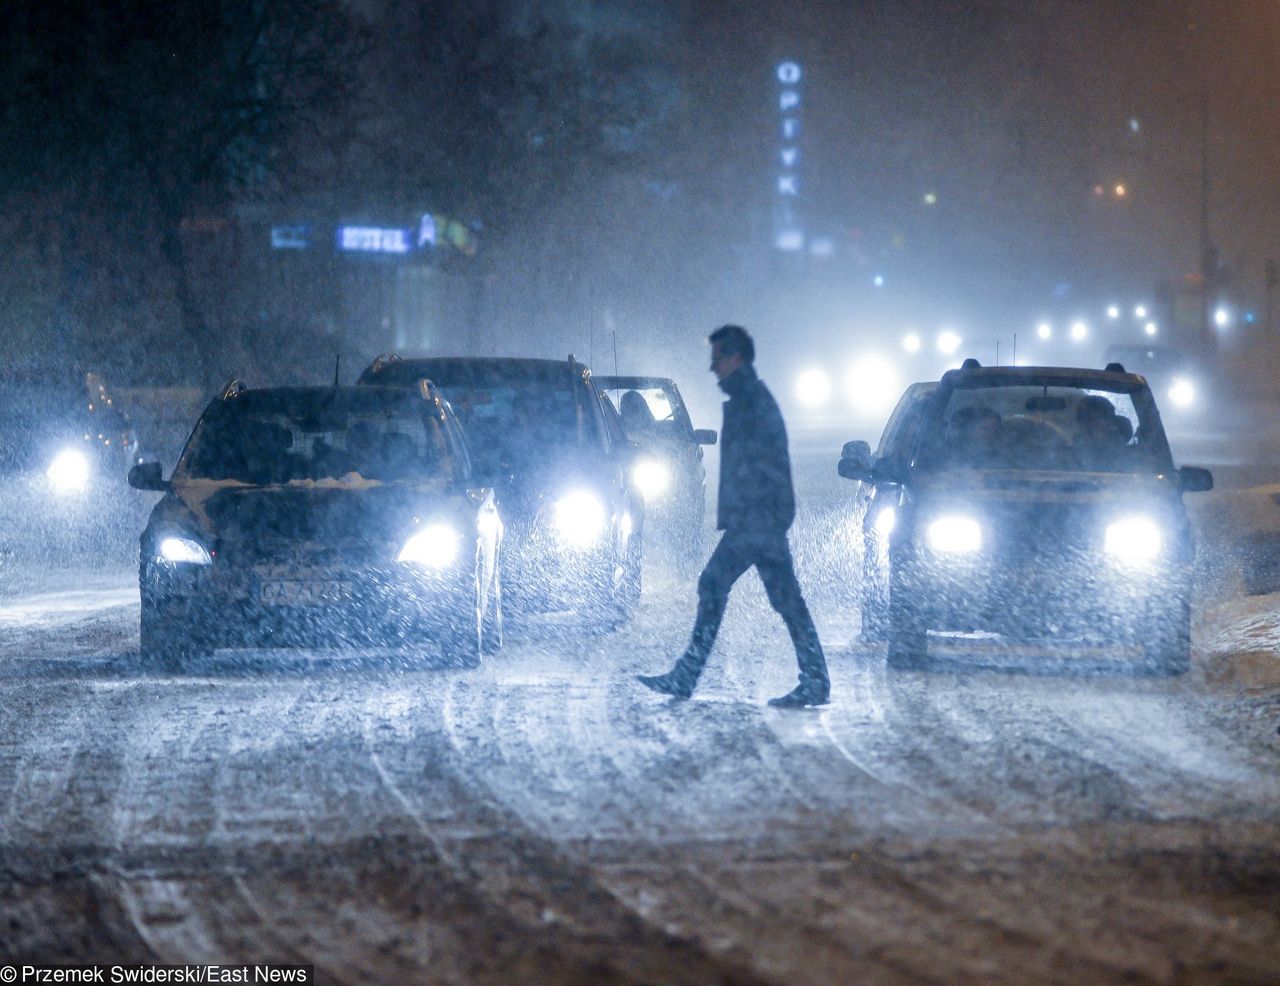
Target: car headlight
1182, 392
185, 551
69, 471
885, 521
813, 387
435, 546
652, 477
1135, 540
579, 519
954, 534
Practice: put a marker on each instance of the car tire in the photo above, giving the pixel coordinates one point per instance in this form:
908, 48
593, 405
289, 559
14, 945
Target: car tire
908, 637
1166, 644
492, 626
614, 604
465, 645
874, 606
167, 642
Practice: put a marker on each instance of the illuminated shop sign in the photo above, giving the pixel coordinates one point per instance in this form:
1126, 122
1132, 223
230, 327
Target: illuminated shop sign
374, 239
788, 234
290, 236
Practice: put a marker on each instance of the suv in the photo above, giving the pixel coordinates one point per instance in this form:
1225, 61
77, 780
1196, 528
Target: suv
552, 446
320, 514
1033, 502
668, 469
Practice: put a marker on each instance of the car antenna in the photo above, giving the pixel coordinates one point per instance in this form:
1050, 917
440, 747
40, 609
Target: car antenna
615, 350
337, 362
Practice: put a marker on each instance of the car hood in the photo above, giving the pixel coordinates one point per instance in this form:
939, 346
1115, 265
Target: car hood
323, 512
1029, 486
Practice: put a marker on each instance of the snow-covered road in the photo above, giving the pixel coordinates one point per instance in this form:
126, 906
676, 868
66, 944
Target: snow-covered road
1001, 818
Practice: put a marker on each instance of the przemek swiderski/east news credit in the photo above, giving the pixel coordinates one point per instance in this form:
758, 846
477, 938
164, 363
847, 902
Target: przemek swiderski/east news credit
103, 973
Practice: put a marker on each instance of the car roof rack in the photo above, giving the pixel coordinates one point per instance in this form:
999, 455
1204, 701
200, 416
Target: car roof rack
234, 388
970, 364
382, 362
1114, 368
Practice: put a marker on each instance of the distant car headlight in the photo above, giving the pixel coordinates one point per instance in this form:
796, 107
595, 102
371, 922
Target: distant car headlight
872, 385
435, 546
1182, 392
184, 551
652, 477
954, 534
579, 518
1135, 540
69, 471
813, 387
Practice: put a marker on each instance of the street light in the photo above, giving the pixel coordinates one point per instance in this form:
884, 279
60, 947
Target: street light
1079, 331
1044, 330
1151, 328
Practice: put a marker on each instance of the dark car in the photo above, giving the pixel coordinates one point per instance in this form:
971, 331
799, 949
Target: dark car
1032, 502
669, 470
542, 435
65, 451
320, 515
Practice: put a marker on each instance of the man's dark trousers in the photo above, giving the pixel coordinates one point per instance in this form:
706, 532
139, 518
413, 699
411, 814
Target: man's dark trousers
770, 553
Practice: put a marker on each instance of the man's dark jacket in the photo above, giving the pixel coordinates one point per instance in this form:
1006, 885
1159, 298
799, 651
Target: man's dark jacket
755, 469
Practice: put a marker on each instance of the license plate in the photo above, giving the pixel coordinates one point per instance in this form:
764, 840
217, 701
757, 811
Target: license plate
299, 592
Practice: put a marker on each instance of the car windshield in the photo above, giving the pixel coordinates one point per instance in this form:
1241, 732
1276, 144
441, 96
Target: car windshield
650, 411
1038, 427
271, 438
515, 415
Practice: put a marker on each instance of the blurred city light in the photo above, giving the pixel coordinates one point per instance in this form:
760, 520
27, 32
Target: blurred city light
1140, 311
1121, 191
930, 198
1113, 311
878, 280
911, 342
1222, 316
1151, 328
948, 342
1044, 330
1079, 331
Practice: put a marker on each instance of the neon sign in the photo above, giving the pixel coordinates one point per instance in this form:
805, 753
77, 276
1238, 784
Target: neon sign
788, 234
374, 239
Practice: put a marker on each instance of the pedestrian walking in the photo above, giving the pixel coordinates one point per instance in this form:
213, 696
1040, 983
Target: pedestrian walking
756, 507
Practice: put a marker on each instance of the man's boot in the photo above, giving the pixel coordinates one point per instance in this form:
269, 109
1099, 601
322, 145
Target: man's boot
678, 682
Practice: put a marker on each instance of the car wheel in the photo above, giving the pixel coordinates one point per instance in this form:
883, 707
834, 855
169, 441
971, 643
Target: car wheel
491, 628
1166, 644
874, 606
167, 642
466, 643
908, 638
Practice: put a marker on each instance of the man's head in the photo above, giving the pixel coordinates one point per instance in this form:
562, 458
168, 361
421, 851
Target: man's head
731, 349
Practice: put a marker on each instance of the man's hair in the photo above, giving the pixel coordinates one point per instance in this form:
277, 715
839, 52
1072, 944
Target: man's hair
734, 339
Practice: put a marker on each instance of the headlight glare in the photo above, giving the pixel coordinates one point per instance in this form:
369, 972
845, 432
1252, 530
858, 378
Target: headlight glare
435, 546
1135, 540
69, 471
183, 551
1182, 392
579, 518
652, 477
954, 534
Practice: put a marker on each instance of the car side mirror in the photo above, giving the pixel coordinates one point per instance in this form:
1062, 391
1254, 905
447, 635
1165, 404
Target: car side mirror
1193, 479
705, 436
855, 461
148, 476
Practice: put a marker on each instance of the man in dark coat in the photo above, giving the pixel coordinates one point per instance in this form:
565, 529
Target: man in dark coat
756, 507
